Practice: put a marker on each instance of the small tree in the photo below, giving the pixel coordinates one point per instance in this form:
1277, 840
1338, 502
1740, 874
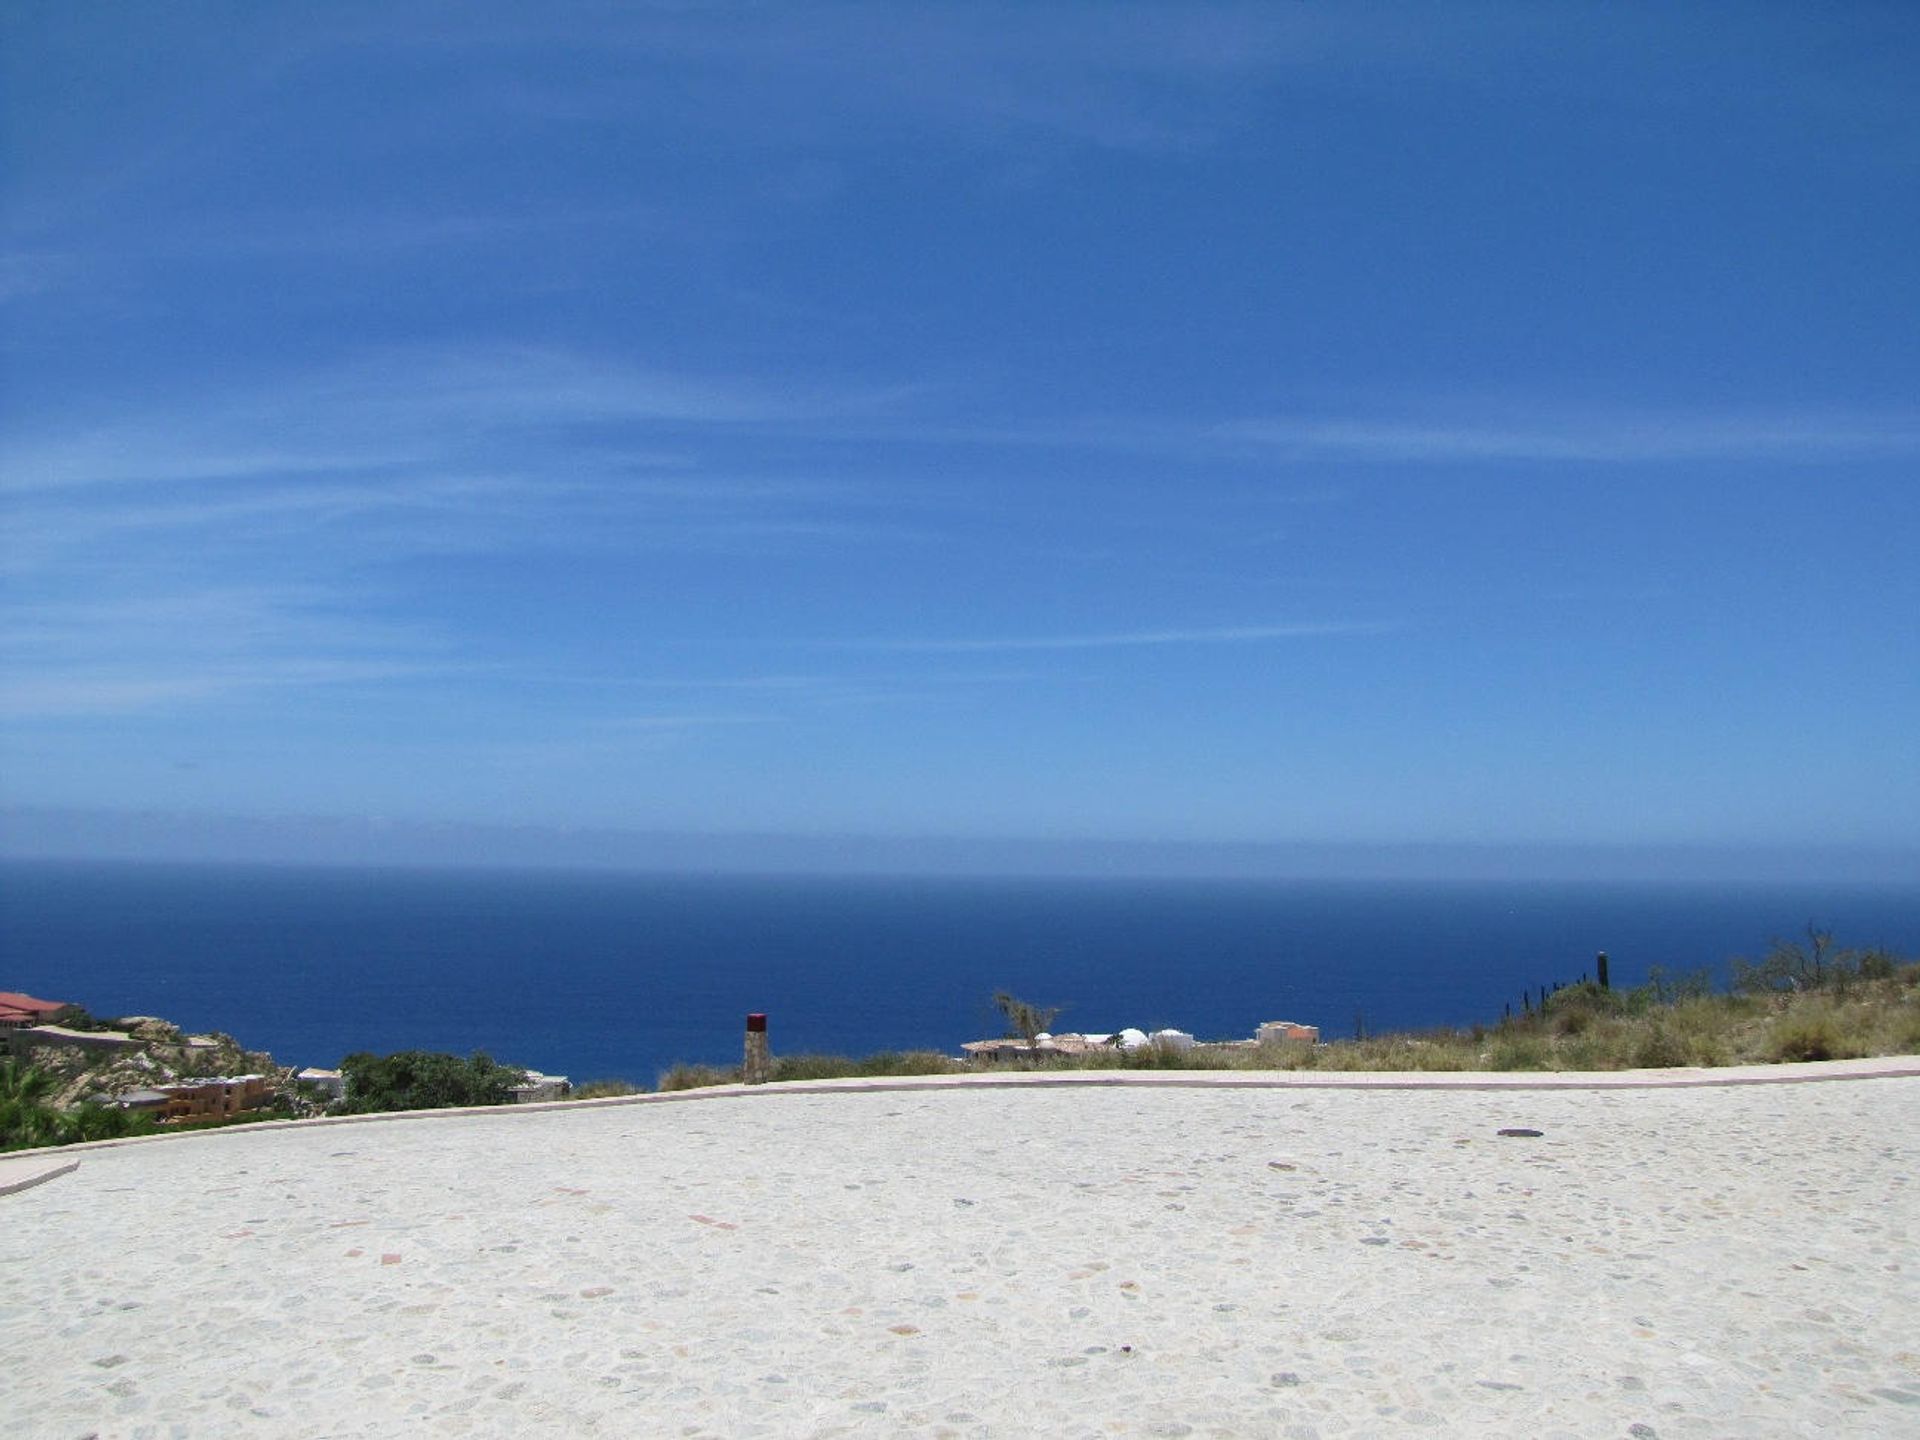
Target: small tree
1028, 1022
1792, 967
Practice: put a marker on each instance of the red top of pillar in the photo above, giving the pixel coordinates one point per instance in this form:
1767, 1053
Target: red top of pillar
756, 1023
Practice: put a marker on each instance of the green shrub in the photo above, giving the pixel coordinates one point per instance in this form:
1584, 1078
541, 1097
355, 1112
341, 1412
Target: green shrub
849, 1067
1292, 1055
1271, 1055
1710, 1048
603, 1090
698, 1077
1518, 1052
104, 1122
1897, 1031
1595, 1049
425, 1080
813, 1067
1659, 1048
1815, 1035
1162, 1057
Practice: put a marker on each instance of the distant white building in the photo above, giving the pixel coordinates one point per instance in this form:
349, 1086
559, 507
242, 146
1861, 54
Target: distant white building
1075, 1043
541, 1087
1274, 1031
332, 1082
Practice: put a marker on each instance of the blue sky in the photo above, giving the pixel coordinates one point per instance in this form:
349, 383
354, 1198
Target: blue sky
1332, 425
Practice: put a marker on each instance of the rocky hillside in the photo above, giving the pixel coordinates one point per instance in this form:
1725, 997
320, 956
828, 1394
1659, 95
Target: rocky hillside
165, 1055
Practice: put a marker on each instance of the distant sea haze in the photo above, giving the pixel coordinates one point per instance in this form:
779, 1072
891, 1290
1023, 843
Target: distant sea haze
620, 975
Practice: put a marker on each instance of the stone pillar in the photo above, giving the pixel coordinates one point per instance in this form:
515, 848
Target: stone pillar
1600, 964
757, 1068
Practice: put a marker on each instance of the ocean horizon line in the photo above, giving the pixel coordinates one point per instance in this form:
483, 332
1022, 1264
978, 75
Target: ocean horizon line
78, 836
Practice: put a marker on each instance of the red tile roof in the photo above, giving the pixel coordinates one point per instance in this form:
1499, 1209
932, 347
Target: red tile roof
14, 1001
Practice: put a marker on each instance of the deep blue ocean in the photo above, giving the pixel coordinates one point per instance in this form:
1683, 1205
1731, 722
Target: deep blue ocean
619, 975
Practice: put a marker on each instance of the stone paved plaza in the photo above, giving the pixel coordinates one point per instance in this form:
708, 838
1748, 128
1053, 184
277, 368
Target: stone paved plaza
962, 1260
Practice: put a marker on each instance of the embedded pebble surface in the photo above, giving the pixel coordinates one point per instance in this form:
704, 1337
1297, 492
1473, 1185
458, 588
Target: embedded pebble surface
977, 1262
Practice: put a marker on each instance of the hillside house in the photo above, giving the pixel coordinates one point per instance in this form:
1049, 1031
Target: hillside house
18, 1010
1275, 1031
215, 1098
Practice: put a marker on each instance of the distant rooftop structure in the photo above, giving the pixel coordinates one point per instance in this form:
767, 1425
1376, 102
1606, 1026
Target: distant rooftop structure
21, 1009
1076, 1043
1068, 1043
330, 1081
142, 1100
1278, 1030
215, 1096
541, 1087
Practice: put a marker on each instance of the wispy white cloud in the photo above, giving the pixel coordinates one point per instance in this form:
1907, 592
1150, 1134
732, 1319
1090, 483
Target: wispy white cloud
1539, 430
131, 688
192, 547
786, 684
133, 652
1625, 437
409, 409
208, 620
1120, 639
380, 233
494, 449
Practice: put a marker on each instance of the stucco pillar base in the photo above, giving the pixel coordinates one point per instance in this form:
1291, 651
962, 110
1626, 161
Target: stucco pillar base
757, 1066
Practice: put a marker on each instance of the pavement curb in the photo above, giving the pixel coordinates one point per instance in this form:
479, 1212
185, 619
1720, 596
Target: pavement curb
1904, 1067
23, 1172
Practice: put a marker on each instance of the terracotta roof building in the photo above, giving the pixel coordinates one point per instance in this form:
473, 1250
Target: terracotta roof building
17, 1009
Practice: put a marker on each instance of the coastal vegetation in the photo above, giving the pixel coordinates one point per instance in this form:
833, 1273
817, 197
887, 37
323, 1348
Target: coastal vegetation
1025, 1021
603, 1090
424, 1080
29, 1118
817, 1067
101, 1058
62, 1095
1803, 1000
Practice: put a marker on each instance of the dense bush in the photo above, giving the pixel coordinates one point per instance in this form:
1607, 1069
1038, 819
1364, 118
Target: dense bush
1657, 1047
425, 1080
1815, 1034
28, 1121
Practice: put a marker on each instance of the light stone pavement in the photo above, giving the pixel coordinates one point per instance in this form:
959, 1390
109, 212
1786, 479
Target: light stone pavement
974, 1261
